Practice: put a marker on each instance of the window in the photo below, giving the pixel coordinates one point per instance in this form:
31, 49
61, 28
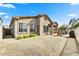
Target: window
22, 27
32, 28
45, 28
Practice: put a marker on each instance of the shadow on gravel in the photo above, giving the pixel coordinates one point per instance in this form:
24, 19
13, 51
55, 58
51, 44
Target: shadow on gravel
77, 44
64, 47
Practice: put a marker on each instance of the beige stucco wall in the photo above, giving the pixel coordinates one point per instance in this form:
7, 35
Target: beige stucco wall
28, 22
43, 22
40, 21
76, 31
1, 30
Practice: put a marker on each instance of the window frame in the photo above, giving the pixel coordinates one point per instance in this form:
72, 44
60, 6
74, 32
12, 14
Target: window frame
32, 27
22, 28
45, 28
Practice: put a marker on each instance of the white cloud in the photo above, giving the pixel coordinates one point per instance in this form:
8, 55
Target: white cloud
72, 15
6, 17
2, 13
7, 5
32, 11
74, 4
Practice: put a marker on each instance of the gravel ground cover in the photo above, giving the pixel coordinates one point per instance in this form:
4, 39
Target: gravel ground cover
71, 48
36, 46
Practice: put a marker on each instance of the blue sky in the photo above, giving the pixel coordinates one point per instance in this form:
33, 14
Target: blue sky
59, 12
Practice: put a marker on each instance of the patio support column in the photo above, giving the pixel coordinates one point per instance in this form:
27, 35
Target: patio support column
16, 28
28, 29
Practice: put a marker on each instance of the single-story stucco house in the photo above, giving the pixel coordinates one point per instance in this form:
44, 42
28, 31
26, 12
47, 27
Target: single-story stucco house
41, 24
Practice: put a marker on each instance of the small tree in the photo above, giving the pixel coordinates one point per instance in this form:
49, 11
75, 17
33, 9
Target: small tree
63, 28
72, 23
76, 25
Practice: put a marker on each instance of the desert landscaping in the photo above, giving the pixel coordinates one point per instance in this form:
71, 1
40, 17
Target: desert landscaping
35, 46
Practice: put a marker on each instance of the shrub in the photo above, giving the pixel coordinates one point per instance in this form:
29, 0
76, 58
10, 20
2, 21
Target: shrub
18, 37
23, 36
26, 36
33, 35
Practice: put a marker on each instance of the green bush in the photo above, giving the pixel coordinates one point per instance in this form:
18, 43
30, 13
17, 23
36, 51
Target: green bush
18, 37
23, 36
26, 36
33, 35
